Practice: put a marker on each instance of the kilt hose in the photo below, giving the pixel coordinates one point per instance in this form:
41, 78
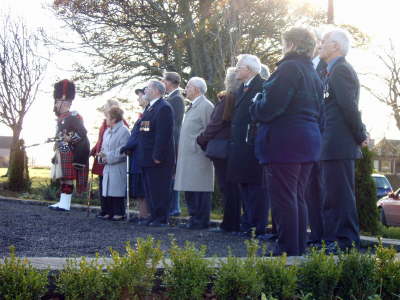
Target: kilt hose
71, 172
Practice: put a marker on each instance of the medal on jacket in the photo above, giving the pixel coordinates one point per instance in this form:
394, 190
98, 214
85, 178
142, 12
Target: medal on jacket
145, 126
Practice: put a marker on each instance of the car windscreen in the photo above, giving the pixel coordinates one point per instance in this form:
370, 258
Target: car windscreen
381, 182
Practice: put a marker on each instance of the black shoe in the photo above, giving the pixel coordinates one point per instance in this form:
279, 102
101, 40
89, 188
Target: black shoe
59, 209
267, 237
144, 221
175, 214
157, 224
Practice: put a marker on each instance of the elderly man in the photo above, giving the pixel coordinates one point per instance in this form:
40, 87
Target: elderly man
172, 81
155, 152
194, 171
243, 166
342, 137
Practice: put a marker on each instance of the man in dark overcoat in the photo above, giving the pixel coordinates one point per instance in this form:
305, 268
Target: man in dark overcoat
343, 134
156, 153
243, 166
175, 98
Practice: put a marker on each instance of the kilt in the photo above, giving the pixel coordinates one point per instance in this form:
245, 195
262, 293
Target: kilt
70, 172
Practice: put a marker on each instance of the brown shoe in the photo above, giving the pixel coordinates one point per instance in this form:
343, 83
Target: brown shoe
117, 218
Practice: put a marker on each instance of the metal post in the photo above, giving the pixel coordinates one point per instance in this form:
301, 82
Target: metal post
127, 188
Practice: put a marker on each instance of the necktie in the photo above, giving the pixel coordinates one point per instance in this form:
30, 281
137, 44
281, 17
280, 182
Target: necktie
189, 107
245, 88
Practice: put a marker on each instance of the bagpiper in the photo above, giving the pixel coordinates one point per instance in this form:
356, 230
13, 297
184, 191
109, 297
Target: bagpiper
71, 159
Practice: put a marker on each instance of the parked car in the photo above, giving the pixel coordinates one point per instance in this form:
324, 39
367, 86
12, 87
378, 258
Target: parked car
382, 184
389, 209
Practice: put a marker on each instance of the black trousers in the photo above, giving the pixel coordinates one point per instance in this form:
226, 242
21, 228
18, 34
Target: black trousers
157, 182
286, 184
101, 198
314, 203
230, 197
199, 207
256, 205
340, 218
114, 205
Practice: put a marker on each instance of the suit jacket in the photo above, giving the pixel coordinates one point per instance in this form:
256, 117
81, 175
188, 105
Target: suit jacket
343, 129
289, 113
194, 171
155, 139
243, 167
178, 105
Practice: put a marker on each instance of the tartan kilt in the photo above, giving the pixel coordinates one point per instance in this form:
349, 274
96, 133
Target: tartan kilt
70, 172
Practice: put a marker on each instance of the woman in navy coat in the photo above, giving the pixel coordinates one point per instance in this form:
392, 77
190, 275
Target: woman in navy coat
288, 138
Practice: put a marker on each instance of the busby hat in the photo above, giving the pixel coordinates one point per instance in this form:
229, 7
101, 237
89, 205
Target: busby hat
64, 90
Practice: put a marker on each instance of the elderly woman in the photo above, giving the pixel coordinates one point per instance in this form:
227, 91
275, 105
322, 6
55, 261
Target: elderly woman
136, 182
98, 167
218, 129
288, 138
114, 180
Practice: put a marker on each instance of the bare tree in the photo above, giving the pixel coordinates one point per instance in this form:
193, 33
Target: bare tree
390, 94
21, 72
141, 38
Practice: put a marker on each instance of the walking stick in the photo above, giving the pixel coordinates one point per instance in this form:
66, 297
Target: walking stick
127, 188
89, 196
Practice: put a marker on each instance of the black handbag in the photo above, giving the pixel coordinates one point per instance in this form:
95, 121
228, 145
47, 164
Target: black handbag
217, 149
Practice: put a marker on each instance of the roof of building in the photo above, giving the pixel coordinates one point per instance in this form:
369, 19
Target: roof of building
387, 147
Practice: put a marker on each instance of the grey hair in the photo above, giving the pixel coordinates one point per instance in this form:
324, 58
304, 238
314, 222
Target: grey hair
200, 83
250, 61
231, 83
342, 38
110, 103
302, 39
265, 71
160, 86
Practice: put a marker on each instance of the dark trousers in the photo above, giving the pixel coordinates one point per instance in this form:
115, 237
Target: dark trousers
286, 185
114, 206
230, 197
175, 207
199, 207
101, 198
255, 207
158, 190
314, 203
339, 212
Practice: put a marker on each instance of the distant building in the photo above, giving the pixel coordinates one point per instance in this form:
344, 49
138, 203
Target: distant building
387, 157
5, 145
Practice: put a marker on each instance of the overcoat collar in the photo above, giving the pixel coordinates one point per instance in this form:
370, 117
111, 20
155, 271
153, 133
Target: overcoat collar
256, 80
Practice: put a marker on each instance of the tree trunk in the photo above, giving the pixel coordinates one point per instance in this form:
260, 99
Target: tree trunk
18, 175
330, 12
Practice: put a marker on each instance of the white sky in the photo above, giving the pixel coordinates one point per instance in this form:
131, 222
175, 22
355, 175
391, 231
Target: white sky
379, 19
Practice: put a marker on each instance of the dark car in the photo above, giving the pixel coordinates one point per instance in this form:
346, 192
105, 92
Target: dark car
383, 186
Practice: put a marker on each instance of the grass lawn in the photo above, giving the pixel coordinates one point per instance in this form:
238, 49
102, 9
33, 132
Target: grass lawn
42, 189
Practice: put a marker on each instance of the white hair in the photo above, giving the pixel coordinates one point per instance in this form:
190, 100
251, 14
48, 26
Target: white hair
342, 38
200, 83
265, 71
157, 84
250, 61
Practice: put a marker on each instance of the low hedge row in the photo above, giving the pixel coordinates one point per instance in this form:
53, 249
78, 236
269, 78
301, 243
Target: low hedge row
189, 276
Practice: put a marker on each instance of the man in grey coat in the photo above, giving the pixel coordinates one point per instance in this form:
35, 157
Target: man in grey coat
194, 171
175, 98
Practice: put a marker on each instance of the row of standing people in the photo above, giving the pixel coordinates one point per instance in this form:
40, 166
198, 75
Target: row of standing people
266, 138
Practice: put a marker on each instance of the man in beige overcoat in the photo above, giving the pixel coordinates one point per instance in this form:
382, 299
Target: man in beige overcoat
194, 171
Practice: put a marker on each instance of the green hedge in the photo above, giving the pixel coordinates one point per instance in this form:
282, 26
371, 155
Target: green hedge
188, 275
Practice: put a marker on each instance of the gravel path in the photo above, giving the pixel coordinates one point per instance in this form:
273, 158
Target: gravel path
37, 231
